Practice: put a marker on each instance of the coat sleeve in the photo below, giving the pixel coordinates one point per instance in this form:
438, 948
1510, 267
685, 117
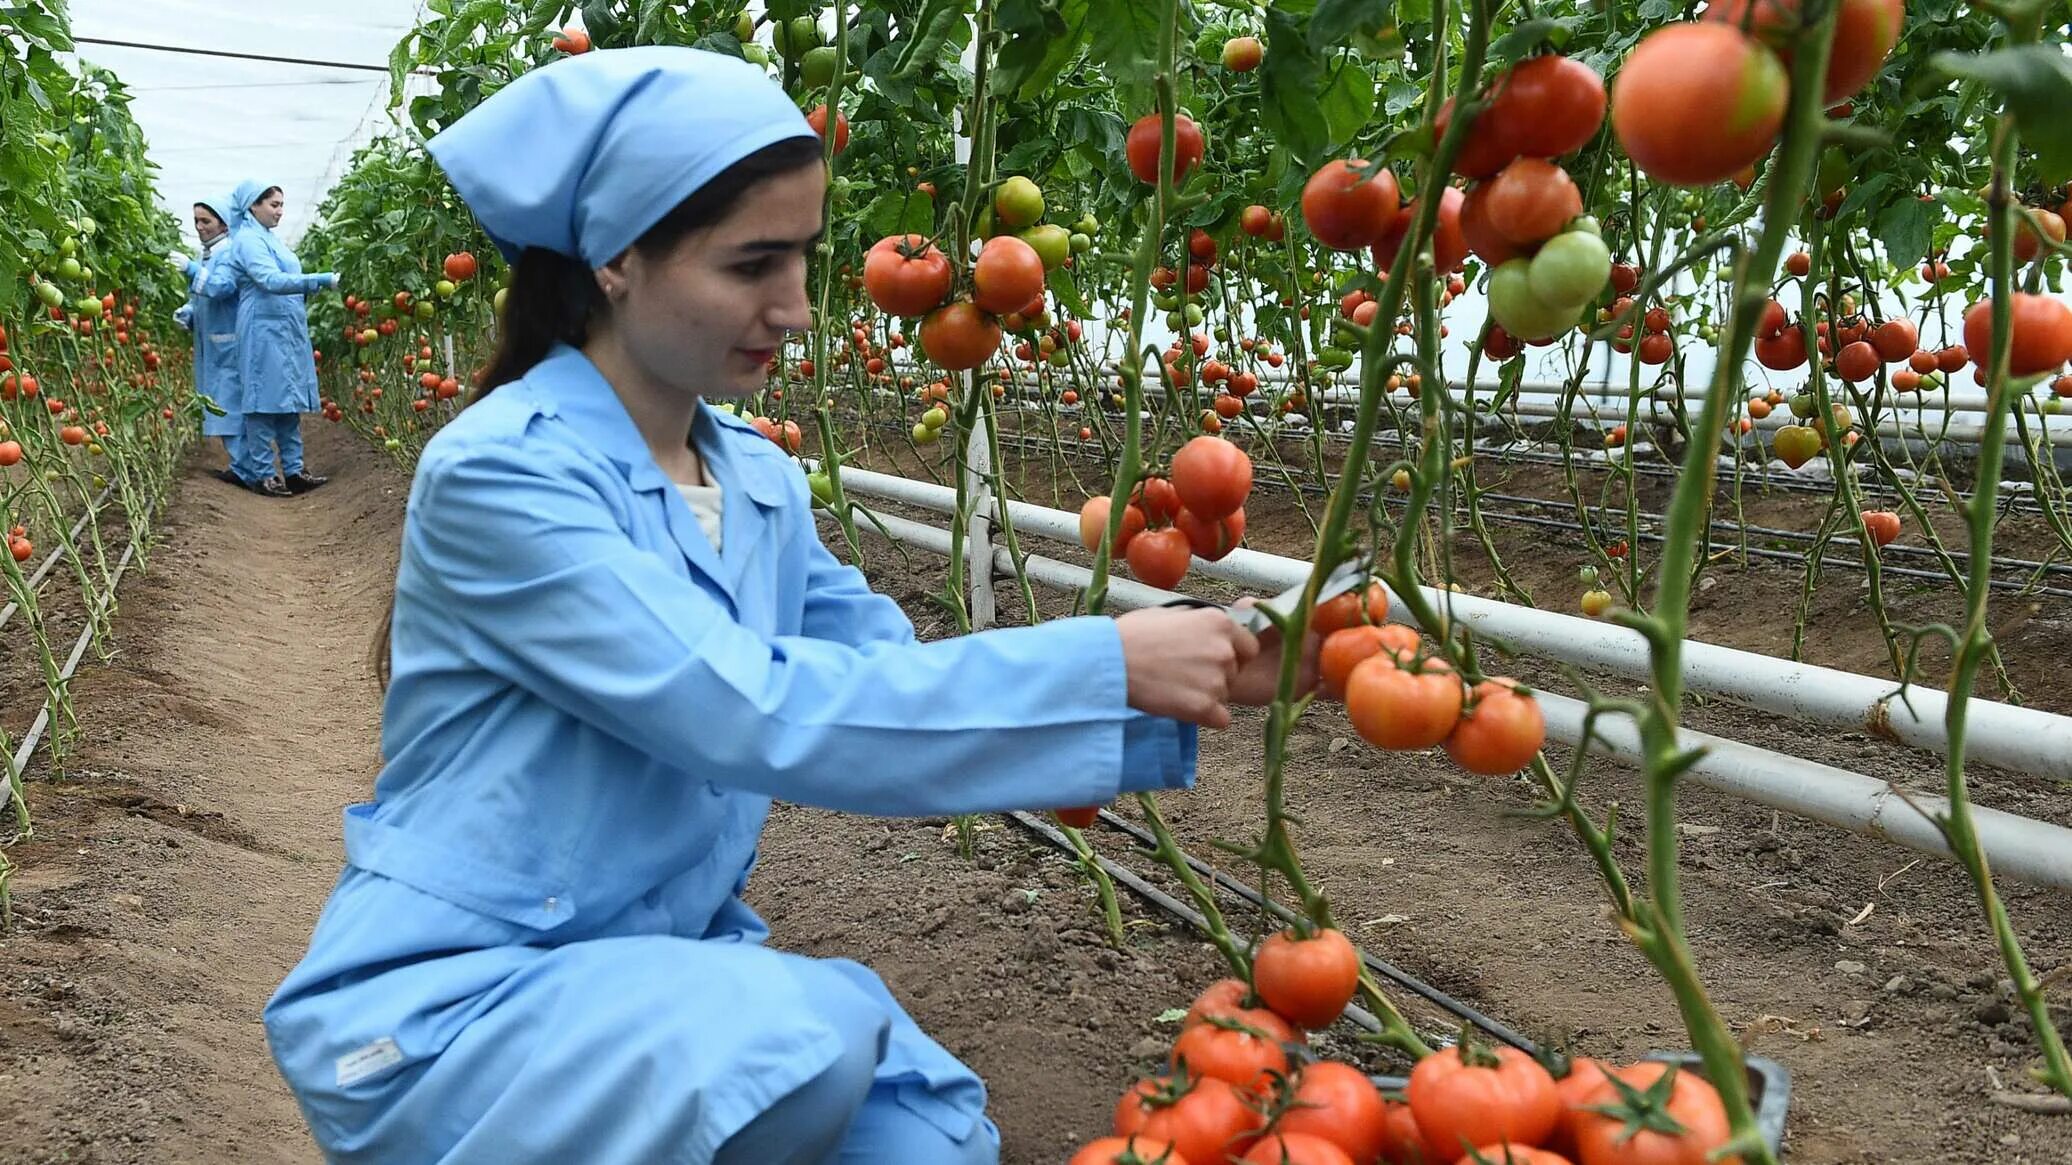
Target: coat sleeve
841, 606
518, 544
256, 261
219, 277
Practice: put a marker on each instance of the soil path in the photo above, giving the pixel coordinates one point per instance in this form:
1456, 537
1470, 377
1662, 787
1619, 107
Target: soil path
175, 877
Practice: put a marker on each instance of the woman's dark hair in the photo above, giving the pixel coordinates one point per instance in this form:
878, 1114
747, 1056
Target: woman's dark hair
554, 297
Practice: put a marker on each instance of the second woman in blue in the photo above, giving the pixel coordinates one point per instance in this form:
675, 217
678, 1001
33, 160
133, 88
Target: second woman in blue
212, 303
538, 950
276, 365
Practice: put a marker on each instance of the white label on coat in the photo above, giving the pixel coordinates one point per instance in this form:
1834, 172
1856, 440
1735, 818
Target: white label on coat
371, 1060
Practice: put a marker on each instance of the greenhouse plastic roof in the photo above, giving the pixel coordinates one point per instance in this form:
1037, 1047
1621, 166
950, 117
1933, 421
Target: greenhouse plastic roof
215, 120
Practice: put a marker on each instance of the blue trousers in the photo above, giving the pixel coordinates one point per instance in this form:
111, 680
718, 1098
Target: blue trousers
231, 443
266, 433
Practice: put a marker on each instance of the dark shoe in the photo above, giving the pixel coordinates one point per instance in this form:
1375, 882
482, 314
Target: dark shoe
270, 487
229, 475
302, 483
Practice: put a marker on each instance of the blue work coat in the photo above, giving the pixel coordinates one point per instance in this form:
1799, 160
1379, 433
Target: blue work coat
212, 300
538, 949
275, 364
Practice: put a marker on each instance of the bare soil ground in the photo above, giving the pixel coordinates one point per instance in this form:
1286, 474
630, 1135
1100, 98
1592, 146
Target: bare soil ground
176, 871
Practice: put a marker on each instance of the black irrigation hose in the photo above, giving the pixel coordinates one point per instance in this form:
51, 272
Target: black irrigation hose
1386, 970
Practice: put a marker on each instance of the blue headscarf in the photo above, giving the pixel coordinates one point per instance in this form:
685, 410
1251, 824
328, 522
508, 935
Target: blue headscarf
582, 156
215, 206
241, 201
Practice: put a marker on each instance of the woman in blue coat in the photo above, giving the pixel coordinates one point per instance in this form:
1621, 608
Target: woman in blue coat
212, 316
616, 638
275, 364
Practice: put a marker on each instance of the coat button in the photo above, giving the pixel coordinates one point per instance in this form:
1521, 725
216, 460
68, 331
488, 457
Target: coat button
553, 904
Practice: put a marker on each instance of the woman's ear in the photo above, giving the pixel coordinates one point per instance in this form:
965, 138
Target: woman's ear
613, 277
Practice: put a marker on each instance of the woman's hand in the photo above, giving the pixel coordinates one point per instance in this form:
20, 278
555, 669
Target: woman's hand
1184, 663
1258, 682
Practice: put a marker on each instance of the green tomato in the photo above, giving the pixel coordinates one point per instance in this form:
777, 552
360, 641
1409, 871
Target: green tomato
1063, 359
923, 435
1523, 314
935, 417
1222, 334
87, 273
1570, 269
2054, 406
87, 306
805, 34
1194, 315
1803, 405
445, 288
69, 268
822, 487
1087, 225
744, 27
1175, 320
1053, 243
1585, 224
392, 444
755, 54
1708, 333
1018, 203
1165, 300
1834, 172
1588, 575
1335, 358
1081, 242
817, 67
87, 226
50, 295
502, 294
425, 310
69, 246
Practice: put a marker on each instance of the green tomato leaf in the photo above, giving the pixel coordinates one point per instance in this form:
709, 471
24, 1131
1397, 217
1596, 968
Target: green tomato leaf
1066, 289
1334, 22
1290, 79
1905, 230
1864, 194
1122, 45
1528, 36
719, 42
899, 213
1348, 102
2036, 82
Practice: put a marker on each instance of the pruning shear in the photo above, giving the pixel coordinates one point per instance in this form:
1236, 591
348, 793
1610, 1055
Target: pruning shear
1257, 618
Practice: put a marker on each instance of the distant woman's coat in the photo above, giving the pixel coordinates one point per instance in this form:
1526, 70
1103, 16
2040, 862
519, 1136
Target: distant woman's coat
212, 303
275, 365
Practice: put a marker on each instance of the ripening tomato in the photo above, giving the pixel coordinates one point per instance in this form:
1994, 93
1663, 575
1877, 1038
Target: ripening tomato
1487, 148
459, 267
959, 336
1501, 730
1093, 520
1481, 1097
1684, 76
1219, 1048
1212, 477
1158, 499
818, 120
1857, 362
1479, 233
573, 41
1883, 526
10, 452
1499, 344
1401, 708
1865, 32
1549, 106
1242, 54
1203, 1118
1656, 348
906, 275
1147, 135
1307, 980
1344, 649
1449, 244
1349, 204
1345, 610
1686, 1100
1159, 558
1211, 539
1129, 1151
1295, 1149
1007, 275
1256, 221
2042, 332
1340, 1104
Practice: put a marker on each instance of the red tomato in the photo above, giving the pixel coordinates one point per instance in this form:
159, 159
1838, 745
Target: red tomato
1348, 205
1687, 1101
1307, 981
1487, 1098
1883, 525
1684, 76
959, 336
459, 267
1342, 611
1128, 1151
1295, 1149
1500, 732
1145, 137
1511, 1153
1403, 1142
1479, 233
1160, 501
1338, 1103
1204, 1119
1865, 32
1212, 477
1211, 539
906, 275
1393, 707
1449, 244
1857, 363
818, 120
1548, 106
1007, 275
1159, 558
1093, 520
1532, 200
1345, 648
1784, 351
1243, 1054
1487, 148
1585, 1075
2041, 327
1080, 818
1895, 340
1223, 997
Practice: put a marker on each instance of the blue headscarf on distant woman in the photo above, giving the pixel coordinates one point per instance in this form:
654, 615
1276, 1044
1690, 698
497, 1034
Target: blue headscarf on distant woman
635, 132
